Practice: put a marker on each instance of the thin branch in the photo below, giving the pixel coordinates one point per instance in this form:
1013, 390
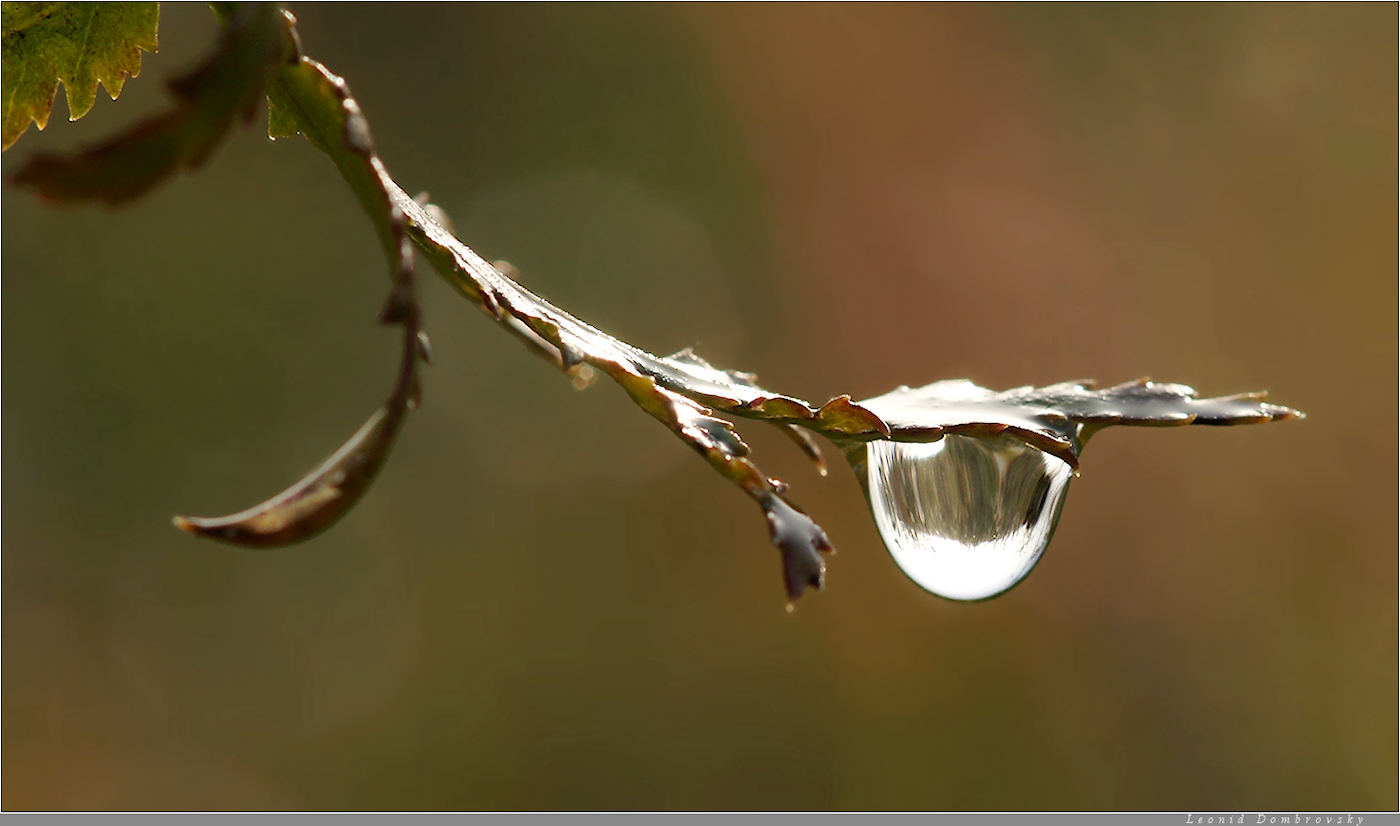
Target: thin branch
683, 391
306, 97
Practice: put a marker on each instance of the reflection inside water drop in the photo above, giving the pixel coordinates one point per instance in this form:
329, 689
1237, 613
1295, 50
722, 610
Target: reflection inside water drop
964, 517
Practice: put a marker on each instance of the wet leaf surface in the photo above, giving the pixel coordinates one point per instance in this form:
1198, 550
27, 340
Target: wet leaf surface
1059, 418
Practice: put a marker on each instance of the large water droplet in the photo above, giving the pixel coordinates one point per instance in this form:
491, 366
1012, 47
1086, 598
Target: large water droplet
964, 517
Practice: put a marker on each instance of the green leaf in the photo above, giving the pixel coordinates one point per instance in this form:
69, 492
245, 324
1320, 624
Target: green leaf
228, 85
281, 122
81, 44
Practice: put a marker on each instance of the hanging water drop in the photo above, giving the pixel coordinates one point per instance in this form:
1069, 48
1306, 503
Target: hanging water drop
966, 518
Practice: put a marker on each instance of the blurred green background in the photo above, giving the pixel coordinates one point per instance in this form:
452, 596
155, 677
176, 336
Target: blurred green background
549, 602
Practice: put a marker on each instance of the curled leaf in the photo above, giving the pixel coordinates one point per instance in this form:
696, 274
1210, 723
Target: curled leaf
228, 85
329, 492
1059, 418
317, 501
